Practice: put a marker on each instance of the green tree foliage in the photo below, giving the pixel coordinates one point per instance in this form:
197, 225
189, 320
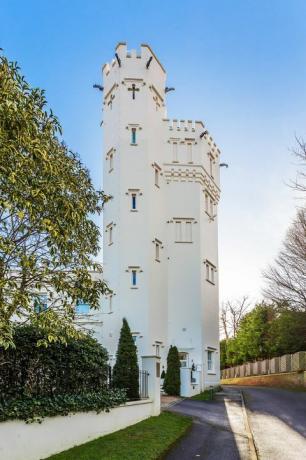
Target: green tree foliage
47, 240
172, 381
27, 370
264, 332
126, 370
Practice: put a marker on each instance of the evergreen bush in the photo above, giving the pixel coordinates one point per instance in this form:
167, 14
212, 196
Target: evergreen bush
172, 381
126, 370
32, 371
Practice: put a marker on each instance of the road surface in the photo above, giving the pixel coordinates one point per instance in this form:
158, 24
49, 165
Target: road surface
277, 419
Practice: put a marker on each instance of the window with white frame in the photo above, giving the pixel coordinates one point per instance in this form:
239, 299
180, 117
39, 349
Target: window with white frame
133, 128
183, 230
157, 173
210, 360
133, 195
110, 303
189, 152
183, 356
133, 136
175, 152
209, 205
157, 348
134, 275
110, 159
82, 308
133, 201
157, 248
211, 165
41, 303
210, 272
110, 233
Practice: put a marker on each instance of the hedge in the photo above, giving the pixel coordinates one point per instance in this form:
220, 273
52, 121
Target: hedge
36, 408
29, 370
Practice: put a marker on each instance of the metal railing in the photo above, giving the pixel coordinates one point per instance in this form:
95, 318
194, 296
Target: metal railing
143, 384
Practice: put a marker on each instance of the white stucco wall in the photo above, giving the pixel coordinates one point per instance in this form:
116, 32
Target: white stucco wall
34, 441
173, 304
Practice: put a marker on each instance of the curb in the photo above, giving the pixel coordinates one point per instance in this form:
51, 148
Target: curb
253, 450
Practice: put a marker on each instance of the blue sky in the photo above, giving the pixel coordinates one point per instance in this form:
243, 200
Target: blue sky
239, 65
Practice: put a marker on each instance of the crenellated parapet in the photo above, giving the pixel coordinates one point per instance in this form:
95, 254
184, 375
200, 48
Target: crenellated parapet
195, 128
137, 66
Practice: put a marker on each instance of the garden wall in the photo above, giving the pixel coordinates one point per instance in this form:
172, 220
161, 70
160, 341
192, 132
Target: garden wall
34, 441
286, 380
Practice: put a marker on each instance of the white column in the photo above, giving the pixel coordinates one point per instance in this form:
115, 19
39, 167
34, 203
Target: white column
151, 364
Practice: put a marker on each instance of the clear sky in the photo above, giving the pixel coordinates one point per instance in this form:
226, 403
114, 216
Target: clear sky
238, 65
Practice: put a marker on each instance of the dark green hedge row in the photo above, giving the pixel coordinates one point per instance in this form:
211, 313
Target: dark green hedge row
79, 367
36, 408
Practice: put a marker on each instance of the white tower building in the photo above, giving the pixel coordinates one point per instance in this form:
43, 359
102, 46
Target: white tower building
160, 248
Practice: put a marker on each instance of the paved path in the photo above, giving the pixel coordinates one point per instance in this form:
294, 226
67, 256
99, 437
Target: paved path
277, 419
278, 422
218, 431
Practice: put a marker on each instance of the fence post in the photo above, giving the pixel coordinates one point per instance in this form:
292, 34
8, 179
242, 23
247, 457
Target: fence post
151, 364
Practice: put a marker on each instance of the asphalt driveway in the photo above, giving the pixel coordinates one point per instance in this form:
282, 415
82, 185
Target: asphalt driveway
277, 419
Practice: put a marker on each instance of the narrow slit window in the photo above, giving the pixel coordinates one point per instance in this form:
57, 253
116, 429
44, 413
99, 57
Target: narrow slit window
178, 231
157, 251
134, 201
156, 177
111, 162
210, 360
175, 156
134, 278
189, 153
133, 136
110, 234
188, 232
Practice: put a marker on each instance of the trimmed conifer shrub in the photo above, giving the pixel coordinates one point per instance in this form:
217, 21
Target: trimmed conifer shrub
126, 370
172, 381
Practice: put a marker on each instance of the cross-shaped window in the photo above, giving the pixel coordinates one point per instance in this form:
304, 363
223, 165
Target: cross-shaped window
133, 89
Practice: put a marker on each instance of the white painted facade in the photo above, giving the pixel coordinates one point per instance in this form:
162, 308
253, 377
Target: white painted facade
160, 231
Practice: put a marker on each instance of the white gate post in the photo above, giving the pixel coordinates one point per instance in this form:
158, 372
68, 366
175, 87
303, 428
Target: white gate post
151, 364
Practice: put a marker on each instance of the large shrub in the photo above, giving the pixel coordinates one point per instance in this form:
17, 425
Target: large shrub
172, 381
29, 370
126, 371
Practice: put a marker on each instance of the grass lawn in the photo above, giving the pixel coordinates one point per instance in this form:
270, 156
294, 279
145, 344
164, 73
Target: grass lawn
206, 395
145, 440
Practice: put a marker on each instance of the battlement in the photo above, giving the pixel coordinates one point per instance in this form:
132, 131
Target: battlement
191, 126
145, 54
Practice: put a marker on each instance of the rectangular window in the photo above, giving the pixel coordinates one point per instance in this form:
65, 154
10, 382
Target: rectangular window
82, 308
189, 153
156, 177
134, 278
183, 359
41, 303
183, 231
133, 201
157, 251
209, 205
178, 231
110, 303
133, 136
211, 163
110, 234
175, 155
210, 272
111, 162
157, 349
188, 232
210, 360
